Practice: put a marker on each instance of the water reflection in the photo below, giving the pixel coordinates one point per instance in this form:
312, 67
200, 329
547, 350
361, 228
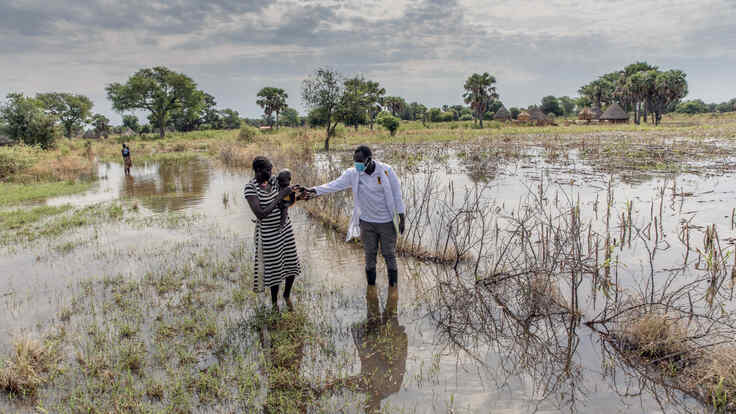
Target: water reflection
173, 185
382, 345
283, 338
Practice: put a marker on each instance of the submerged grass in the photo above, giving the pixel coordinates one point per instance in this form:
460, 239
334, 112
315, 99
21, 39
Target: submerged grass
52, 222
15, 219
15, 193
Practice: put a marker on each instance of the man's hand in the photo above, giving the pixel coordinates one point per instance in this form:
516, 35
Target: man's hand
309, 193
402, 223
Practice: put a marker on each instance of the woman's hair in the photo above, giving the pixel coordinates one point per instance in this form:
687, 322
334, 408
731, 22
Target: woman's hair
260, 162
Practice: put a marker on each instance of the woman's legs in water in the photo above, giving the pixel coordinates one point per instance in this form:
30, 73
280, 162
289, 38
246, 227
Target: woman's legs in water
287, 291
275, 296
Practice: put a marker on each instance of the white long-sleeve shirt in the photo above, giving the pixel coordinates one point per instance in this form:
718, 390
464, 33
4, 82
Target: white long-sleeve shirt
371, 205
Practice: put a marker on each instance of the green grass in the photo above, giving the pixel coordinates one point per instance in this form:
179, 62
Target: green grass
14, 193
29, 226
16, 219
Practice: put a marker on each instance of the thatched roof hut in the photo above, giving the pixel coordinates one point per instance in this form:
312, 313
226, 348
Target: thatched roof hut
502, 114
127, 132
537, 116
91, 134
523, 116
614, 113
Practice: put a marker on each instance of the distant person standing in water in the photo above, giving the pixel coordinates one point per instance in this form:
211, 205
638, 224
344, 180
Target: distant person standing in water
377, 195
126, 159
276, 257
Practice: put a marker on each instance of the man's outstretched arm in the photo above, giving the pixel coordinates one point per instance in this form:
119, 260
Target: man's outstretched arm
343, 182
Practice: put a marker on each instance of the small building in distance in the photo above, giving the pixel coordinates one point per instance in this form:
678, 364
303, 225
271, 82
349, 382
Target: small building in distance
502, 114
91, 134
615, 114
537, 117
523, 116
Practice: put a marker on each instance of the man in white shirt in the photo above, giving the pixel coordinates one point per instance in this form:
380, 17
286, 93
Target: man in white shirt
377, 196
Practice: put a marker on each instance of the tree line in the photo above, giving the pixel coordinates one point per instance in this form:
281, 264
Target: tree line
640, 88
173, 102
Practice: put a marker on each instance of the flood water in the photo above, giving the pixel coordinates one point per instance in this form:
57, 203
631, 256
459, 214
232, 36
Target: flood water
438, 371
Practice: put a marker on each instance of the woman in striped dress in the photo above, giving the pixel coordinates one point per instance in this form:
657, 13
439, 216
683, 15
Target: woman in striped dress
276, 259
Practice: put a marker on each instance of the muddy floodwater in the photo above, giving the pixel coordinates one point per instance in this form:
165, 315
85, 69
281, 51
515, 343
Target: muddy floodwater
438, 370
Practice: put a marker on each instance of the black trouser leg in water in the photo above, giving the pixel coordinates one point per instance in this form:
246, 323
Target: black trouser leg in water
385, 234
370, 276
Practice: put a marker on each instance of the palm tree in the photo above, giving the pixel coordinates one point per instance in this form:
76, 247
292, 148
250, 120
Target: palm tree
480, 91
272, 99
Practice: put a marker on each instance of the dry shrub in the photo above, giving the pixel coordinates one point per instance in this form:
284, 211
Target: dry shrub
248, 134
65, 168
716, 373
656, 336
17, 158
232, 155
27, 367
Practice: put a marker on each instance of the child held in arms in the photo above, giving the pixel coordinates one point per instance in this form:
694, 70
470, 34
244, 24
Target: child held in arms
284, 180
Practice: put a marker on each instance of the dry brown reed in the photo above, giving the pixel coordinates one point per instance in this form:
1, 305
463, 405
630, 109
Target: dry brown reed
27, 367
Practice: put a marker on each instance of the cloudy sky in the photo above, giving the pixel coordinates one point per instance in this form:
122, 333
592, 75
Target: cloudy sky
421, 50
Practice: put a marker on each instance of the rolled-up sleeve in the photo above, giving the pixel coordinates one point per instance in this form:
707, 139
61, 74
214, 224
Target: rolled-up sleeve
396, 190
343, 182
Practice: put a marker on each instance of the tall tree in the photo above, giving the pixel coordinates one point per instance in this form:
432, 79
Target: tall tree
26, 121
480, 90
228, 119
567, 104
290, 117
374, 97
158, 90
354, 105
131, 122
395, 104
191, 114
72, 110
272, 100
101, 124
551, 104
323, 91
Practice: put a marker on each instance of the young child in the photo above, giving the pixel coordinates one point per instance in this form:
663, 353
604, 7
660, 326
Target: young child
284, 180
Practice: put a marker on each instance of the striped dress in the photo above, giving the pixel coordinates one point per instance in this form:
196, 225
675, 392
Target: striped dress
275, 248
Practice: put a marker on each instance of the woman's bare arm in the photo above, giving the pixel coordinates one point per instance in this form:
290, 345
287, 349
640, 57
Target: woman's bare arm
261, 213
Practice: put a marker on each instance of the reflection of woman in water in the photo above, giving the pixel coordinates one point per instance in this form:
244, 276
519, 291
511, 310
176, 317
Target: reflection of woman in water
283, 337
127, 162
382, 345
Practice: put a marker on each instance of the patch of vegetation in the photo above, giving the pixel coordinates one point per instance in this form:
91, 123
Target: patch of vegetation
13, 193
15, 219
27, 226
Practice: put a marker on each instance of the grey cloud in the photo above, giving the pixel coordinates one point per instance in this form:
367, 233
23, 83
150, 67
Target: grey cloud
424, 54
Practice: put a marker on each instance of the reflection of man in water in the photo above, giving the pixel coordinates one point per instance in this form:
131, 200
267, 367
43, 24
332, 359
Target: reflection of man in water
382, 345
